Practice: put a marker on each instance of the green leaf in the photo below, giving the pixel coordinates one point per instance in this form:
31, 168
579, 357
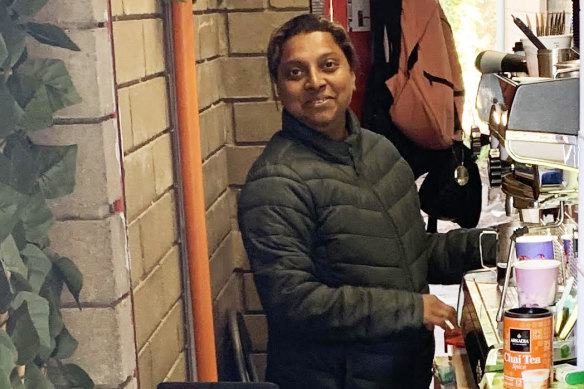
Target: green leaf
53, 286
23, 87
23, 334
77, 377
37, 113
12, 206
55, 320
38, 311
14, 38
51, 291
54, 75
72, 275
66, 345
34, 378
17, 167
3, 50
11, 257
37, 220
38, 266
28, 7
57, 166
8, 354
19, 283
6, 290
50, 34
10, 111
19, 237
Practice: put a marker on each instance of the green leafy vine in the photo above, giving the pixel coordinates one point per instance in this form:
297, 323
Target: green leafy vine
33, 337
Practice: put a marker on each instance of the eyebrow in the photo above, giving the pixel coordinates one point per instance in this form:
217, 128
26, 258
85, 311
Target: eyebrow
295, 61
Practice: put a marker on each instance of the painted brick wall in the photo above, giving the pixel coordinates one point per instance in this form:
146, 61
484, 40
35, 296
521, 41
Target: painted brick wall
142, 86
238, 115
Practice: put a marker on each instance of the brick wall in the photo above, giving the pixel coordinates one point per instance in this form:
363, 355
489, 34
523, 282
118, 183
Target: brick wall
142, 86
238, 115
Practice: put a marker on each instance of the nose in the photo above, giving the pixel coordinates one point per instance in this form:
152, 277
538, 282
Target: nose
315, 79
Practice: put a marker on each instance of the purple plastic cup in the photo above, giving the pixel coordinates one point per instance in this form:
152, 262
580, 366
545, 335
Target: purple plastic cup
537, 282
534, 247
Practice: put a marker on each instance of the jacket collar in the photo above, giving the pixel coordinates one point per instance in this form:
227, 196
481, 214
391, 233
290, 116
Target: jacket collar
339, 151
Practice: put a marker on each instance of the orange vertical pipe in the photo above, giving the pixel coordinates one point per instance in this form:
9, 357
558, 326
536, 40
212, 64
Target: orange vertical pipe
192, 176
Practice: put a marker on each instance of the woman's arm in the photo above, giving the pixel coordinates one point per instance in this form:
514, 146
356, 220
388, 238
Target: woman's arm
276, 217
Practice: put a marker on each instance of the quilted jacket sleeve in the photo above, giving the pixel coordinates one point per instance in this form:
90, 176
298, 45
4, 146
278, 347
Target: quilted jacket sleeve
277, 221
456, 252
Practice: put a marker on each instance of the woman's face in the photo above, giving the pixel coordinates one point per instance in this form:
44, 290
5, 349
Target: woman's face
315, 82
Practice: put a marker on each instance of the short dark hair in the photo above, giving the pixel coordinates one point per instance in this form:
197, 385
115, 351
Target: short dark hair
303, 24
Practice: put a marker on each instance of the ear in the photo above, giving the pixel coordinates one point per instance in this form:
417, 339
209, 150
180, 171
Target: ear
353, 81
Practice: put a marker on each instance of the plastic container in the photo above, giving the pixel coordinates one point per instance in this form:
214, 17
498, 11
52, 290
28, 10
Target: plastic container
569, 374
550, 42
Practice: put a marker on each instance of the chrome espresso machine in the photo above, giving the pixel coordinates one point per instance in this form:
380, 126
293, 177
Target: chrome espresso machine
533, 158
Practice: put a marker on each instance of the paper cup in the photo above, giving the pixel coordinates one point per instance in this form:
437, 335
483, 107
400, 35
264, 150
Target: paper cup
536, 379
534, 247
537, 282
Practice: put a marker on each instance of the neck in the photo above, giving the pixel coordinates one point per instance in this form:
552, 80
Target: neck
336, 131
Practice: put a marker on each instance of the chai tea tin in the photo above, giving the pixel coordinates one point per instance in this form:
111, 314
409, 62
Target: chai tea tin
528, 348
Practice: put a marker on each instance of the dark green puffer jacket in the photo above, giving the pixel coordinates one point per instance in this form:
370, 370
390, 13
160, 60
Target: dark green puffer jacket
341, 257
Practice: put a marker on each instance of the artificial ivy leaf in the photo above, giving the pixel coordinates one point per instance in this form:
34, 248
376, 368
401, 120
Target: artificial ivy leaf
34, 378
17, 166
14, 38
3, 50
19, 283
50, 34
10, 111
18, 235
12, 206
73, 277
8, 355
54, 75
6, 291
37, 220
38, 266
37, 113
66, 345
57, 167
23, 334
10, 257
53, 287
77, 377
27, 7
55, 320
38, 311
22, 87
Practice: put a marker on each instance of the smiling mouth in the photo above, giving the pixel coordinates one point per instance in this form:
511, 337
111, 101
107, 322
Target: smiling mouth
317, 102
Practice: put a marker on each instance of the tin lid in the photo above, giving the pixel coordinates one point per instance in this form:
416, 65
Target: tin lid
528, 312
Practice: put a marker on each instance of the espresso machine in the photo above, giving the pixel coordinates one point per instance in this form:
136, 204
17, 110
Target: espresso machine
533, 127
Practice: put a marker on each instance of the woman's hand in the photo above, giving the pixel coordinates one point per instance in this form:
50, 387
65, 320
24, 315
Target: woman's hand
437, 313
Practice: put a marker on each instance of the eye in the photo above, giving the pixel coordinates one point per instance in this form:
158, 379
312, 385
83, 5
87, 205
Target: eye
294, 73
330, 65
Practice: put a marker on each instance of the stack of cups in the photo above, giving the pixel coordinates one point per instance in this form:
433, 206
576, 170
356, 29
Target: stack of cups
553, 52
536, 270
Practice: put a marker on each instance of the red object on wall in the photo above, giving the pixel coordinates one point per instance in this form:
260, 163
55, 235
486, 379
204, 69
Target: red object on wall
362, 42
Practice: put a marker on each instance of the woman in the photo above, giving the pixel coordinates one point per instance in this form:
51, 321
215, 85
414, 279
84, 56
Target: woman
331, 223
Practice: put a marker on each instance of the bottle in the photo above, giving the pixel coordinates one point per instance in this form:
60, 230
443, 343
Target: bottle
490, 61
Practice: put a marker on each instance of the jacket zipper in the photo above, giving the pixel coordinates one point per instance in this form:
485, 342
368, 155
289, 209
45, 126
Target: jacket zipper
389, 219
